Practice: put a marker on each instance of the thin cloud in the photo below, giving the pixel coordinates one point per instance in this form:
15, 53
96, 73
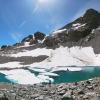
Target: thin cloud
91, 4
16, 36
22, 24
35, 9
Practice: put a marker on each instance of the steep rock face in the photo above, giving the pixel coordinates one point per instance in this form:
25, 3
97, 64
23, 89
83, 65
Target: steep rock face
93, 40
84, 32
80, 28
91, 18
34, 39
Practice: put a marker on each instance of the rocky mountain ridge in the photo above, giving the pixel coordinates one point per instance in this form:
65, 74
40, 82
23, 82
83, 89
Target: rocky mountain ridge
83, 31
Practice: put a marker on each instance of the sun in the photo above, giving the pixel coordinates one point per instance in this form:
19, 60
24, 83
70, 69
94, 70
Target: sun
45, 2
42, 1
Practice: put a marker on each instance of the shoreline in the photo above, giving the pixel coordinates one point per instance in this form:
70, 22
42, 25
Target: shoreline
83, 90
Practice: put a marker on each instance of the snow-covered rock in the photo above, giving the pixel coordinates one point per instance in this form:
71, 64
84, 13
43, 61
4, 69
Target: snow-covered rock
77, 26
26, 43
59, 31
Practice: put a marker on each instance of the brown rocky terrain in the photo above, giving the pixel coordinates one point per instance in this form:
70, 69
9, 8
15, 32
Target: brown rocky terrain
84, 90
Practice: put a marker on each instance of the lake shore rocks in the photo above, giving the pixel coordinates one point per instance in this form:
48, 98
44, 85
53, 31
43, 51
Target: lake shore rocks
84, 90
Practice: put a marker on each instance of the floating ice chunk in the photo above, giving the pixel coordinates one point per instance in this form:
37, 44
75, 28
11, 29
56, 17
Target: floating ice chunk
38, 69
67, 69
22, 76
45, 78
49, 74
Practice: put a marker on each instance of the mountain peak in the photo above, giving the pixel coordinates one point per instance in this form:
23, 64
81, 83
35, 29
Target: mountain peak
91, 12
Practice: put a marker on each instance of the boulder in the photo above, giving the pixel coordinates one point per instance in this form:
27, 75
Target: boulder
33, 41
50, 41
67, 96
39, 36
3, 97
3, 47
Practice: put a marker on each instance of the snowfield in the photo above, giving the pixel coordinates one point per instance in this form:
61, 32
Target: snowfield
11, 65
62, 56
59, 59
33, 53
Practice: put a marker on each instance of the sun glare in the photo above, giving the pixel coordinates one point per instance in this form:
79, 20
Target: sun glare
44, 2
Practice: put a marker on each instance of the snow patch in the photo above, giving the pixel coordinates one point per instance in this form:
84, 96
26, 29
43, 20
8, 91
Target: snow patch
33, 53
59, 31
77, 26
86, 54
26, 44
11, 65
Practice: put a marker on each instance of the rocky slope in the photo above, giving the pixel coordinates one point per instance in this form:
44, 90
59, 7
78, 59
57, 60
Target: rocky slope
82, 32
84, 90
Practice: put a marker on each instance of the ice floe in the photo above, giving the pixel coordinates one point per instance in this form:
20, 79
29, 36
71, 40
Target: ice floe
22, 76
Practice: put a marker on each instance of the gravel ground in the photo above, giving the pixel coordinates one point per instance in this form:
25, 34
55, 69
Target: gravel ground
24, 59
84, 90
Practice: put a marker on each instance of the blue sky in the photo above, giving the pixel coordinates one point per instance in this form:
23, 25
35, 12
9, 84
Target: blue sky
19, 18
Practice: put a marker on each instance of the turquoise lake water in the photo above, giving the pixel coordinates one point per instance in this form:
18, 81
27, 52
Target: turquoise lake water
4, 79
67, 76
